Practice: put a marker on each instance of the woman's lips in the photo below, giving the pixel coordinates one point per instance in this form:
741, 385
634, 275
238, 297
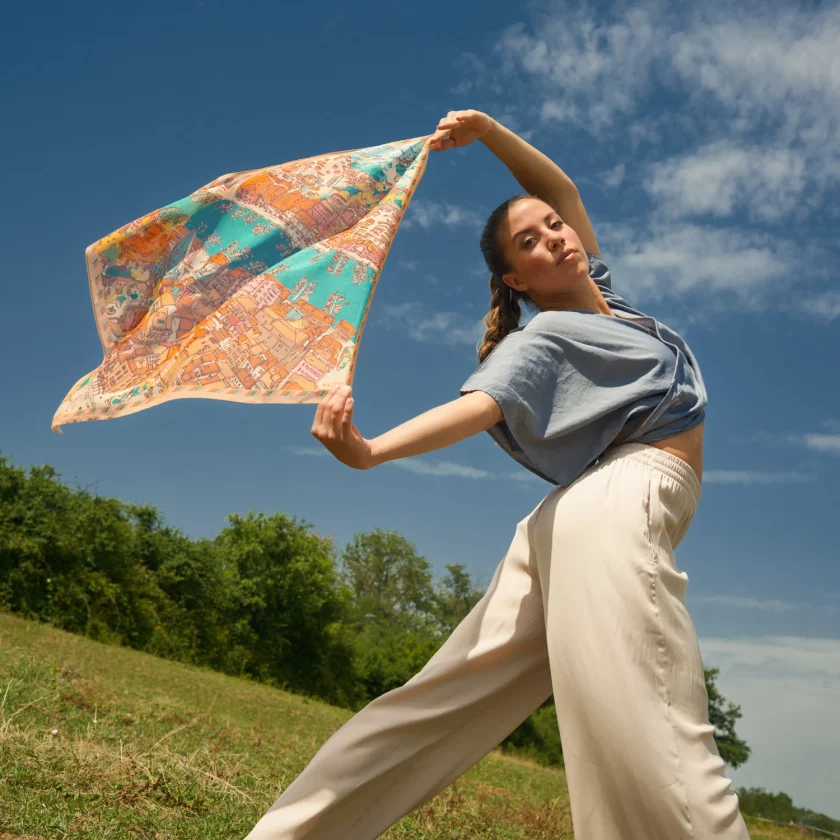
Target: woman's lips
568, 257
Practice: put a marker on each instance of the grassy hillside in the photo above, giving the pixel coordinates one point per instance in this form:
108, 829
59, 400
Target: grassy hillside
105, 742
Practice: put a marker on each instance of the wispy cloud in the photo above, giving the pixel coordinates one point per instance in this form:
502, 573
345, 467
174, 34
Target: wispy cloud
787, 655
416, 465
739, 172
420, 465
768, 182
767, 87
309, 451
819, 442
825, 441
824, 306
754, 477
662, 259
422, 324
440, 468
613, 177
425, 466
780, 70
775, 605
590, 73
475, 74
428, 214
593, 69
788, 688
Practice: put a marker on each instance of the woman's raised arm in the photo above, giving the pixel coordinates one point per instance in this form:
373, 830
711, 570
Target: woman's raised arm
536, 173
440, 426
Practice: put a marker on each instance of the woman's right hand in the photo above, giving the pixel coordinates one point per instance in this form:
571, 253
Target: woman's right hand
459, 128
333, 426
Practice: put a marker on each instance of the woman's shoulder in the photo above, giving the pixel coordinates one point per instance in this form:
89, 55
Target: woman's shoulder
599, 271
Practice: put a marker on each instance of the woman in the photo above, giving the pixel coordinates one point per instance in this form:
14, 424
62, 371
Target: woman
608, 404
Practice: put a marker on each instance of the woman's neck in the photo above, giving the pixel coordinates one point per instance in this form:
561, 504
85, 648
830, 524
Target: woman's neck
588, 299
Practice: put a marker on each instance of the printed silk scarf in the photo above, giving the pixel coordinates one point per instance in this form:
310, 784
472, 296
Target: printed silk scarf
255, 288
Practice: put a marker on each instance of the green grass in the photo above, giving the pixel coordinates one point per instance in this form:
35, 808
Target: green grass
103, 742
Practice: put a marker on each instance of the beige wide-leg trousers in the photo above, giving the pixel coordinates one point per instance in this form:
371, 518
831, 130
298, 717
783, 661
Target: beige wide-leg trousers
587, 603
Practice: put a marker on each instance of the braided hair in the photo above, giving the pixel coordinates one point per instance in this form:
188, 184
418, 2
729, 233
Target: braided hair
505, 302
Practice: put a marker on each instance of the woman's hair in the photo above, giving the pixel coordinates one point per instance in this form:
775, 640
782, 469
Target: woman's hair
505, 302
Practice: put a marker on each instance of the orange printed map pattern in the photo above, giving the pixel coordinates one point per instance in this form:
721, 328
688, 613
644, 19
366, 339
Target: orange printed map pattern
255, 288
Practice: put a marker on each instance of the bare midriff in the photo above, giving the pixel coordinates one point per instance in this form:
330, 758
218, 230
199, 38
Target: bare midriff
687, 445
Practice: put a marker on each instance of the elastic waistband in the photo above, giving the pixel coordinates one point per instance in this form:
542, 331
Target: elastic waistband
668, 463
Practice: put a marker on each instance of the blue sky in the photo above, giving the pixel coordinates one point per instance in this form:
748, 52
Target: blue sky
704, 146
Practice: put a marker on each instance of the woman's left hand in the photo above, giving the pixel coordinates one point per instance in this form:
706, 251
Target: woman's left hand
333, 426
460, 128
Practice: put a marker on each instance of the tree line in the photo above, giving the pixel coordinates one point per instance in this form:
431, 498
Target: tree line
268, 598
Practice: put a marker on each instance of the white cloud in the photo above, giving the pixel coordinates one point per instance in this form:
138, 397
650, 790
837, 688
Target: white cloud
788, 688
754, 477
510, 116
820, 442
753, 110
462, 88
591, 72
523, 475
776, 605
774, 656
474, 69
440, 468
309, 451
594, 68
780, 69
423, 466
765, 87
613, 178
416, 321
430, 213
823, 305
724, 175
828, 441
672, 259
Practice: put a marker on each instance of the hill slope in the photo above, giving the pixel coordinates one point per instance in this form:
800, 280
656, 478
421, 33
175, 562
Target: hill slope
105, 742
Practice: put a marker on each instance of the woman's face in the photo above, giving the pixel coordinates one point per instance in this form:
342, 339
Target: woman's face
534, 240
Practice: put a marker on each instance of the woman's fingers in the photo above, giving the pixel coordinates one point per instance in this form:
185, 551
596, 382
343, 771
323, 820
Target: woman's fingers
323, 417
454, 119
443, 139
459, 128
347, 418
329, 421
335, 430
319, 417
338, 411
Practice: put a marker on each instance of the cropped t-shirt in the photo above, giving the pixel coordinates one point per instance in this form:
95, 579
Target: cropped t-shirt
572, 383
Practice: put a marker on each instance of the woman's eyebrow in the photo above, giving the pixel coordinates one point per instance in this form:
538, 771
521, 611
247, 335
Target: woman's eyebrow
532, 230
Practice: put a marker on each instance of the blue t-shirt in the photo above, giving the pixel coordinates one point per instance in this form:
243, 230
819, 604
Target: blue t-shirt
572, 383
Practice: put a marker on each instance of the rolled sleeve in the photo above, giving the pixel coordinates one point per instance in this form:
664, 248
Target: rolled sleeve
521, 374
